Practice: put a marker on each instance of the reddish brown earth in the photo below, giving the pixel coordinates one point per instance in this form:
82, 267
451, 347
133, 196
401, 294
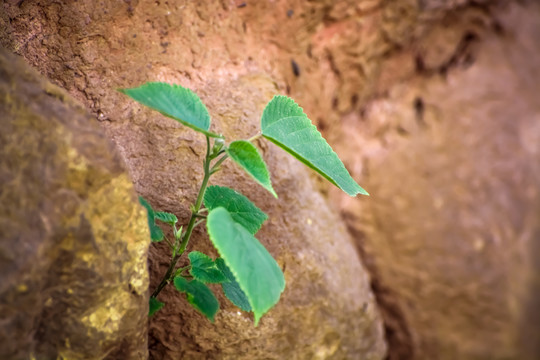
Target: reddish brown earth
433, 106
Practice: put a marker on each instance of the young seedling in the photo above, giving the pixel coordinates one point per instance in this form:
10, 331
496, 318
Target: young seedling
247, 273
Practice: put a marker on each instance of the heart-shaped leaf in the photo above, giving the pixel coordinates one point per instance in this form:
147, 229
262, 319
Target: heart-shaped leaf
231, 288
204, 269
240, 207
156, 234
255, 270
247, 156
154, 306
166, 217
199, 296
174, 101
285, 124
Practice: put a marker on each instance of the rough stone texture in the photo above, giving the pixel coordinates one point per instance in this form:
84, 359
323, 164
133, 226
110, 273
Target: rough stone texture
73, 240
451, 160
432, 103
328, 310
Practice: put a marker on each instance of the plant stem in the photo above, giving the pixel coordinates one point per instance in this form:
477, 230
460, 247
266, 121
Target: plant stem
191, 225
181, 270
254, 137
168, 242
219, 162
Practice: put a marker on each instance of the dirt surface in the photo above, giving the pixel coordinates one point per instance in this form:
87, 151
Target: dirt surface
432, 104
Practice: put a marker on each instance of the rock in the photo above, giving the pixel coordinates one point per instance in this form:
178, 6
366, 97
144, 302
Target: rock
328, 310
73, 239
386, 87
413, 94
453, 229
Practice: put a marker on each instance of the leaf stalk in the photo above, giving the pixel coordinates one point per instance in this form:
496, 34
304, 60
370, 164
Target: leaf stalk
169, 275
254, 137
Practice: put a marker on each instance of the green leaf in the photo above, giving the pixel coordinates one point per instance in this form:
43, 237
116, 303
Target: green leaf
174, 101
199, 296
242, 210
257, 273
285, 124
155, 306
156, 234
231, 288
204, 269
166, 217
247, 156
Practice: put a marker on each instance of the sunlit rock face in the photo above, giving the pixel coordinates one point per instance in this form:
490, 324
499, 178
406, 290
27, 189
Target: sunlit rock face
328, 309
73, 239
433, 106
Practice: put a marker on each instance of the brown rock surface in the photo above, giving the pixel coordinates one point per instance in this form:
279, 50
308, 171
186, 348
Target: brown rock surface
433, 104
451, 158
73, 240
328, 309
